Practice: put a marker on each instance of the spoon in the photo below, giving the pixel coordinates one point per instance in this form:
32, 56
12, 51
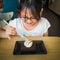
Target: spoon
27, 43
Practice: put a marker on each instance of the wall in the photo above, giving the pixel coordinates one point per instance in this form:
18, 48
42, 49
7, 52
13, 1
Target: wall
0, 3
55, 6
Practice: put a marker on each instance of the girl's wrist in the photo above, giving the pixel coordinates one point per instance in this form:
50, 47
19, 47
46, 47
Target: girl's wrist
3, 34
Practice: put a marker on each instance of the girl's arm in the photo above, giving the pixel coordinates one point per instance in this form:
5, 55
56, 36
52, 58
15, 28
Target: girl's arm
3, 34
46, 34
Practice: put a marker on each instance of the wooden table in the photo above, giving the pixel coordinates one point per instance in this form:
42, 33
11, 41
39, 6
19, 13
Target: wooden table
52, 45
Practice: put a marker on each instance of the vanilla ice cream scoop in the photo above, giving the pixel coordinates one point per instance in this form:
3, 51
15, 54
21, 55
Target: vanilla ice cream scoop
28, 44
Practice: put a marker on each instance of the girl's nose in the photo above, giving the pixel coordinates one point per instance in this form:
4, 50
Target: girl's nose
29, 21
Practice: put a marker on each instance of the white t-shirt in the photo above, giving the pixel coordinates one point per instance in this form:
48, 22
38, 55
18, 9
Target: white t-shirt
39, 30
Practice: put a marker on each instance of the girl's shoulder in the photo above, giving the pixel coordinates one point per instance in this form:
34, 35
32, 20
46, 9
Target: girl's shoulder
13, 22
44, 21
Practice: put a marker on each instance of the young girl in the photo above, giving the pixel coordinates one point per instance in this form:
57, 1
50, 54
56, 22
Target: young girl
30, 22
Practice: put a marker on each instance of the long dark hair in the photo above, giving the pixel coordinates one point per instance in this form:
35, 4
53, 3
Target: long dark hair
34, 5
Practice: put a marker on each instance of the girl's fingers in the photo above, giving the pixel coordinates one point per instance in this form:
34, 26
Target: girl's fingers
11, 32
9, 37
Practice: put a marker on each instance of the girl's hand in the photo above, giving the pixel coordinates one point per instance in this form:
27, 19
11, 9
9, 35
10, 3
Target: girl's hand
10, 31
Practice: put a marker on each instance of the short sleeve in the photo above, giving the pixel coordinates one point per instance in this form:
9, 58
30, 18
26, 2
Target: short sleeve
47, 25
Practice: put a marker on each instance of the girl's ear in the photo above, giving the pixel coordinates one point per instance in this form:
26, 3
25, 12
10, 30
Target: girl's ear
41, 12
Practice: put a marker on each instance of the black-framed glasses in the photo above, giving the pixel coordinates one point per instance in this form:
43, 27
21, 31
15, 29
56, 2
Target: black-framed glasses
31, 18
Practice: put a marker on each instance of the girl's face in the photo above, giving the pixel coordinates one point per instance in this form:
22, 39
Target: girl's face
27, 17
